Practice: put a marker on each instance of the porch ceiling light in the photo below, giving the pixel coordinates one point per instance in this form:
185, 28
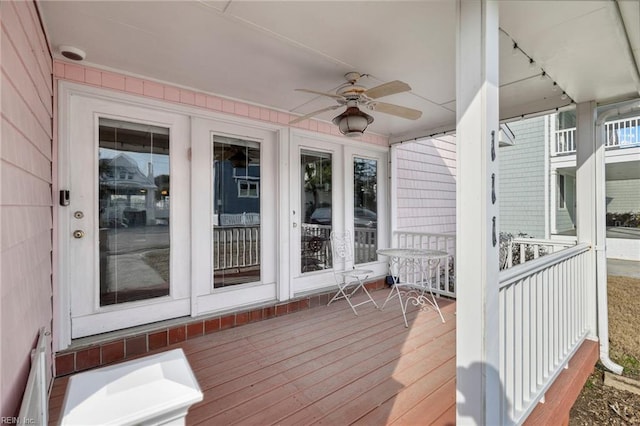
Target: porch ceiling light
73, 53
352, 122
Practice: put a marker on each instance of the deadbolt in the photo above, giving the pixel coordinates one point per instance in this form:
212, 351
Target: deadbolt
78, 214
78, 233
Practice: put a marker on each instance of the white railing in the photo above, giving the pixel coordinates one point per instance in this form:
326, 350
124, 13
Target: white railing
618, 133
365, 245
243, 219
543, 321
622, 133
34, 407
565, 141
520, 250
445, 283
236, 247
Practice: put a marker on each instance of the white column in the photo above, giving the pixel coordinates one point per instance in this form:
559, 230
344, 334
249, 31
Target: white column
553, 208
479, 392
547, 163
393, 192
586, 207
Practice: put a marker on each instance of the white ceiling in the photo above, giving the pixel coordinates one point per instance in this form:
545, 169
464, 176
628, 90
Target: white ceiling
260, 51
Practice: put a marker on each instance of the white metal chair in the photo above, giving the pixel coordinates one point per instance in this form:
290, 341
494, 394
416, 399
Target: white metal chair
345, 272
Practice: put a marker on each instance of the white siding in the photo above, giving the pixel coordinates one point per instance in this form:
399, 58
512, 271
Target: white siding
623, 196
25, 194
521, 180
426, 185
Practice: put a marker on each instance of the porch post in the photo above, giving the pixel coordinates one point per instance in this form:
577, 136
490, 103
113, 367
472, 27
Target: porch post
479, 395
586, 164
553, 204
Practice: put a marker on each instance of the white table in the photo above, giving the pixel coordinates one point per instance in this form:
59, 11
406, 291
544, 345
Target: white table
418, 267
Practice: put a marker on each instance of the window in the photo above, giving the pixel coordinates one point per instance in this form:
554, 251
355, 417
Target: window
248, 189
561, 192
365, 209
236, 211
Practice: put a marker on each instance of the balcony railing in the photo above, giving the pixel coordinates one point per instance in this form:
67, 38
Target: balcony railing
565, 141
543, 321
618, 134
444, 279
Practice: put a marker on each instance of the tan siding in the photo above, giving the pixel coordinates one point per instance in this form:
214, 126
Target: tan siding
25, 194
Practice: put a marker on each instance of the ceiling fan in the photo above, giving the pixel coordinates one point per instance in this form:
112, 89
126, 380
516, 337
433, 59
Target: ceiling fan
353, 121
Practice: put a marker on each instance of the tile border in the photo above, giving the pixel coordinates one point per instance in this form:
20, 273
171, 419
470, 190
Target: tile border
112, 80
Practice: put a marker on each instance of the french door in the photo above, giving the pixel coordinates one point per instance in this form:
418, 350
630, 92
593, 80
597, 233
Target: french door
124, 215
234, 241
334, 188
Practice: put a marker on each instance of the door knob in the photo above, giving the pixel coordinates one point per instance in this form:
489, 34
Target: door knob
78, 233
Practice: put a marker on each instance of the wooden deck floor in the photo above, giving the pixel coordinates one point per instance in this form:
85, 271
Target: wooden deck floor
324, 366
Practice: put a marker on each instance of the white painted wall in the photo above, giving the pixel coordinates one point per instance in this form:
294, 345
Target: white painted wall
25, 195
425, 185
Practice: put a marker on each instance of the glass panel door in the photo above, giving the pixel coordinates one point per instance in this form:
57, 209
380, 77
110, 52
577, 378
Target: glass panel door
365, 209
134, 215
236, 211
316, 210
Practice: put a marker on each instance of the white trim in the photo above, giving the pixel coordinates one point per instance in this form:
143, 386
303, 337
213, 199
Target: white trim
547, 145
586, 169
285, 217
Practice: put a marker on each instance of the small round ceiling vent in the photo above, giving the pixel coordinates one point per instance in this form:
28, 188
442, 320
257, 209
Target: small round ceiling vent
73, 53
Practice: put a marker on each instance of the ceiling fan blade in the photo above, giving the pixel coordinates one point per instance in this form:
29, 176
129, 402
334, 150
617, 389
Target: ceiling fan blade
311, 114
315, 92
386, 89
397, 110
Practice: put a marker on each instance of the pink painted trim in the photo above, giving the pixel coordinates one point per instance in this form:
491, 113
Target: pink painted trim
151, 89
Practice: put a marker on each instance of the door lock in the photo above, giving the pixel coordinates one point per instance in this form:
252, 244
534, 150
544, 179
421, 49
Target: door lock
78, 233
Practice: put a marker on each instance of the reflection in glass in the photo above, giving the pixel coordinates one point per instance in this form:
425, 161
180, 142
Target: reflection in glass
134, 193
315, 168
365, 209
236, 211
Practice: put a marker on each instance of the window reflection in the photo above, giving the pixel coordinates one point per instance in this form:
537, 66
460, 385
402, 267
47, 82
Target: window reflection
236, 211
365, 210
133, 200
316, 197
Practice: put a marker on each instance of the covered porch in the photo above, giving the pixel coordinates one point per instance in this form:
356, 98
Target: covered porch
225, 87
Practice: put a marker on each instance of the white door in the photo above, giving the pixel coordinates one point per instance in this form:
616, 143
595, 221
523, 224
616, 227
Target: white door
335, 188
125, 228
317, 206
234, 194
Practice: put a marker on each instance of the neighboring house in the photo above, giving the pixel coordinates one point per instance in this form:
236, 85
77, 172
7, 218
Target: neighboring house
622, 157
522, 182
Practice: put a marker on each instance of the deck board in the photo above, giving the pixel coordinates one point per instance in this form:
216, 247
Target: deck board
324, 366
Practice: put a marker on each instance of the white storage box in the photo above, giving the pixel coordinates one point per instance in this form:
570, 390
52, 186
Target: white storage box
154, 390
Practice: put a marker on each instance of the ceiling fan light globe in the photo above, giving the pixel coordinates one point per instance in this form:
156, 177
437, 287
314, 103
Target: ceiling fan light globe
353, 122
